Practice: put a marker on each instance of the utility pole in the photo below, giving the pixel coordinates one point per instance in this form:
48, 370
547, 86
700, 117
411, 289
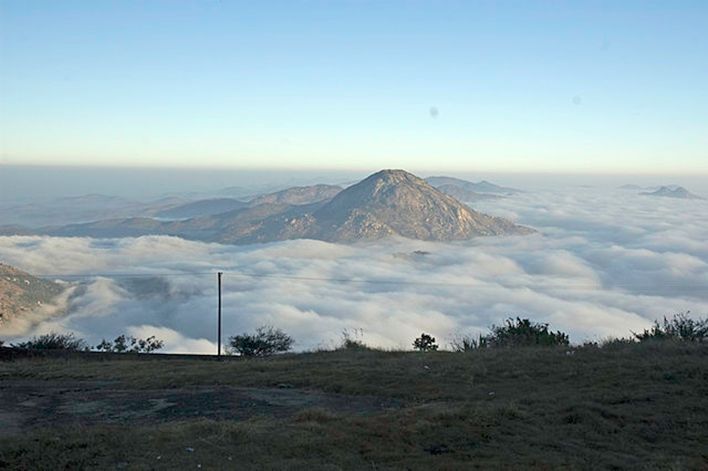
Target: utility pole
218, 334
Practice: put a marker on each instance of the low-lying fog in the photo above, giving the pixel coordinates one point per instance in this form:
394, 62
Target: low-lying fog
605, 262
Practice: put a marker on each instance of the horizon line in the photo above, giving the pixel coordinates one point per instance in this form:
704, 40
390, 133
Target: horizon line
622, 172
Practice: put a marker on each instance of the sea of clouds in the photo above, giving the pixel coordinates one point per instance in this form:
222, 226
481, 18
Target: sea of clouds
604, 263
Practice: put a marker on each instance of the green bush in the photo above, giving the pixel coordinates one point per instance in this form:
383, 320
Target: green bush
680, 327
425, 343
266, 341
522, 332
54, 341
465, 343
616, 342
353, 340
129, 344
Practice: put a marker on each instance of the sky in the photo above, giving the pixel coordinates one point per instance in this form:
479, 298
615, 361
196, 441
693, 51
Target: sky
504, 86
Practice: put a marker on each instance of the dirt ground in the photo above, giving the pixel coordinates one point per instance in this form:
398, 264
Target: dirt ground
27, 405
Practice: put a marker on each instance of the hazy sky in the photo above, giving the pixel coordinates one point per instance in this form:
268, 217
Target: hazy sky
449, 85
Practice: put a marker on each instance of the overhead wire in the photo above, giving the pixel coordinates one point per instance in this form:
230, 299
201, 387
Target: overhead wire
479, 284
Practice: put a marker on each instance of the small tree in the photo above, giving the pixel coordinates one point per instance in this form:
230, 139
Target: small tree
129, 344
522, 332
425, 343
54, 341
266, 341
680, 327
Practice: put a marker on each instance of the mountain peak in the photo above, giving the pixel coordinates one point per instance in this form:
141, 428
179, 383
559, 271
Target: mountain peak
390, 202
396, 202
393, 176
392, 172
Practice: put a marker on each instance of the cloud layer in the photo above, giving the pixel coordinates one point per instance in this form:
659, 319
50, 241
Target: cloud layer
603, 264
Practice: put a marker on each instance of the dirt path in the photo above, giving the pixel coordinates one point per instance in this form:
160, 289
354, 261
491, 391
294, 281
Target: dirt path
31, 404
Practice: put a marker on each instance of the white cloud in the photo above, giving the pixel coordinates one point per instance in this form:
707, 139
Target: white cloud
601, 265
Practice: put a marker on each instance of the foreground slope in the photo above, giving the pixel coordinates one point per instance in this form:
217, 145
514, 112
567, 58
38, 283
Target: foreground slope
626, 406
21, 292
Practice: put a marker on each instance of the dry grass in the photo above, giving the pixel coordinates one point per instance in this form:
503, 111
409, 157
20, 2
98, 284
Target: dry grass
626, 407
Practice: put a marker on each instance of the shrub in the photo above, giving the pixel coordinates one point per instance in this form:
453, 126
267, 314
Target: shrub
352, 340
129, 344
522, 332
425, 343
266, 341
680, 327
614, 342
54, 341
465, 343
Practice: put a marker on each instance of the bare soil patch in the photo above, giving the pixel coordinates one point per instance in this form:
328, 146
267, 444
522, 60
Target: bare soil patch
26, 405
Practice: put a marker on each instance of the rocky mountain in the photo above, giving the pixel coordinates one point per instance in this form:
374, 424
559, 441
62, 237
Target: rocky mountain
395, 202
471, 189
387, 203
673, 192
21, 292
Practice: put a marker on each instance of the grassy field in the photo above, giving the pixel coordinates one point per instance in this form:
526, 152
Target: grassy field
619, 407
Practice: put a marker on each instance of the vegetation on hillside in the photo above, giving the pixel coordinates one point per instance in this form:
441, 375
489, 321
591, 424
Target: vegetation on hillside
515, 332
265, 341
54, 341
130, 344
425, 343
353, 339
638, 405
680, 327
69, 342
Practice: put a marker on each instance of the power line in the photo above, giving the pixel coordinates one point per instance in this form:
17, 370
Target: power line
106, 275
479, 285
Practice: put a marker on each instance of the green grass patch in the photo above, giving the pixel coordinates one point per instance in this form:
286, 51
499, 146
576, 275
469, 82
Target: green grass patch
640, 405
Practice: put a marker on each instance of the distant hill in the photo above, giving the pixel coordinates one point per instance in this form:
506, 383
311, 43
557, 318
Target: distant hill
201, 208
632, 187
292, 196
387, 203
21, 292
84, 208
673, 192
299, 195
11, 229
468, 196
472, 189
